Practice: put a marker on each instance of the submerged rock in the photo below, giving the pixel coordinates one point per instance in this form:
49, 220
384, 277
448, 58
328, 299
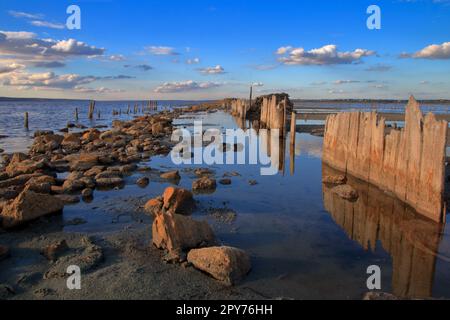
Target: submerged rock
28, 206
226, 264
143, 182
177, 233
225, 181
345, 191
109, 182
171, 175
204, 184
334, 179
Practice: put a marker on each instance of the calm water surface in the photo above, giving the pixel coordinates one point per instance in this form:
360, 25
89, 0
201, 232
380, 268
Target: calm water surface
304, 241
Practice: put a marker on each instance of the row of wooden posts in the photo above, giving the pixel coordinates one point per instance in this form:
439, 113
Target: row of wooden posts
148, 106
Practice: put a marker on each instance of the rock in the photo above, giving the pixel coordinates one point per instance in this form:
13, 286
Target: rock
75, 222
71, 141
91, 135
157, 128
70, 185
39, 133
203, 171
225, 181
143, 182
6, 291
334, 179
9, 192
154, 206
68, 199
18, 180
43, 292
175, 232
252, 182
87, 193
346, 192
92, 172
379, 296
55, 250
204, 184
4, 252
85, 162
24, 167
178, 200
171, 175
226, 264
28, 206
109, 182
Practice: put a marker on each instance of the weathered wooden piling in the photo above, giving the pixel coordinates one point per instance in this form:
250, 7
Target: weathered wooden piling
76, 114
409, 162
91, 110
26, 121
293, 128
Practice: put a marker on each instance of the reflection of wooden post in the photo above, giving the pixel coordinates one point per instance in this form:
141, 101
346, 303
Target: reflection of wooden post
284, 116
26, 120
98, 114
76, 114
292, 158
293, 128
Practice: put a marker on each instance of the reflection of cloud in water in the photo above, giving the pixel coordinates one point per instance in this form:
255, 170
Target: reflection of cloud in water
308, 145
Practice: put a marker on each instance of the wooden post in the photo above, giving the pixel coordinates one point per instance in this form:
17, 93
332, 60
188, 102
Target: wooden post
284, 116
251, 91
98, 114
293, 128
76, 114
91, 110
26, 120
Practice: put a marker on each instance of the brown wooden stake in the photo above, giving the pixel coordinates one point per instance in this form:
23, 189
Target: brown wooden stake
26, 120
293, 128
76, 114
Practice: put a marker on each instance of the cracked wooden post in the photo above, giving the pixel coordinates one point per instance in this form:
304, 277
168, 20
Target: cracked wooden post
26, 121
293, 128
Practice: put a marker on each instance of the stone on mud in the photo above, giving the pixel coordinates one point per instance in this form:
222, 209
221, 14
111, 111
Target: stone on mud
55, 250
28, 206
204, 184
226, 264
177, 233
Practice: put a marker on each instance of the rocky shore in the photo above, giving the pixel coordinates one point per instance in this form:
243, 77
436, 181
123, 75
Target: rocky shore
62, 169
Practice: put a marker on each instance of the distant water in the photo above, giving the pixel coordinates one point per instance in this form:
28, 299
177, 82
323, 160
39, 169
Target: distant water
391, 107
52, 114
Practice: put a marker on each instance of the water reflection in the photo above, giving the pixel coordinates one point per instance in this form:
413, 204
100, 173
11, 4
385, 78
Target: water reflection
411, 240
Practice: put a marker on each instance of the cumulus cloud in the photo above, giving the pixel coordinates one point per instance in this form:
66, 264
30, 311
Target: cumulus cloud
434, 51
161, 51
326, 55
25, 46
10, 68
193, 61
212, 70
257, 84
182, 86
46, 24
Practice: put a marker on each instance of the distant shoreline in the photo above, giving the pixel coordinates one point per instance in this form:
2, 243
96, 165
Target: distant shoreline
386, 101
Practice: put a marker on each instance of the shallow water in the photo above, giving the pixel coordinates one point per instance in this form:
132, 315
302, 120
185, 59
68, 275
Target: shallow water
305, 243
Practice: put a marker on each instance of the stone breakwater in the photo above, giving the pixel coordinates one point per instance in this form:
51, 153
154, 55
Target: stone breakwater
409, 162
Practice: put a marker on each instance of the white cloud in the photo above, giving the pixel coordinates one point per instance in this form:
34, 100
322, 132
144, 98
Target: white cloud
326, 55
182, 86
18, 35
161, 51
338, 82
212, 70
116, 57
283, 50
20, 14
11, 68
46, 24
257, 84
434, 51
193, 61
74, 47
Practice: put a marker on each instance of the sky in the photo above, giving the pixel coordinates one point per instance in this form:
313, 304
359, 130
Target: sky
205, 49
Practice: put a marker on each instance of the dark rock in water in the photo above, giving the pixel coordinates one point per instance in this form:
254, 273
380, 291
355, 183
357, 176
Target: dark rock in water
55, 250
65, 130
203, 171
1, 150
143, 182
4, 252
88, 192
225, 181
75, 222
3, 136
252, 182
109, 182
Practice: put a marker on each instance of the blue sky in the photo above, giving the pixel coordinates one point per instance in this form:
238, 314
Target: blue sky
211, 49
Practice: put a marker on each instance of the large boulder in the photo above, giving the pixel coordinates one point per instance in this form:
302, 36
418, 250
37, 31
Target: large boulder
204, 184
177, 233
28, 206
178, 200
226, 264
84, 162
